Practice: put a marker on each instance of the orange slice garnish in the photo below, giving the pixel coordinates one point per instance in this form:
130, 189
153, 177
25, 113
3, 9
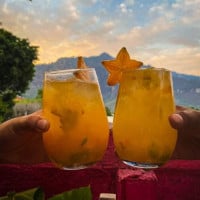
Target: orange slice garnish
83, 75
116, 67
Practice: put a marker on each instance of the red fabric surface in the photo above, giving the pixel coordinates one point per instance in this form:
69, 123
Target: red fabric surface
175, 180
136, 184
178, 179
53, 180
100, 177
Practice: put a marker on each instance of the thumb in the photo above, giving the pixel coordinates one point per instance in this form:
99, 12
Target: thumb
176, 121
30, 123
187, 119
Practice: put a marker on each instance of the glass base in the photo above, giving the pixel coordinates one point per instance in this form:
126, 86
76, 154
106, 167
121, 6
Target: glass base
145, 166
75, 168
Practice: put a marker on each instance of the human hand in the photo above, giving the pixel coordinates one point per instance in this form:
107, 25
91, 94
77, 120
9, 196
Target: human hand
21, 139
187, 123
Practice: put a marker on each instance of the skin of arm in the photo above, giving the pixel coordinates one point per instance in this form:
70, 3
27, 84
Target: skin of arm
187, 123
21, 139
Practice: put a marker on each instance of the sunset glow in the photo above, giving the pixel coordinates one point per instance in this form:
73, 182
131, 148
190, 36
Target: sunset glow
158, 33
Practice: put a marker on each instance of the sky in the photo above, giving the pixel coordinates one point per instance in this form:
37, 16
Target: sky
160, 33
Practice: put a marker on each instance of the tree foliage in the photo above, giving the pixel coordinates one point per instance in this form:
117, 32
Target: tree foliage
16, 69
39, 94
108, 112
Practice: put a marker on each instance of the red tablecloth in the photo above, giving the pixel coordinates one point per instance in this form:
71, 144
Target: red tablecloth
179, 179
53, 181
101, 177
175, 180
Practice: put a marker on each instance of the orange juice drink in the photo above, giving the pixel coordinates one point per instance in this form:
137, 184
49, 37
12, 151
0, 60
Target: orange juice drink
78, 133
141, 130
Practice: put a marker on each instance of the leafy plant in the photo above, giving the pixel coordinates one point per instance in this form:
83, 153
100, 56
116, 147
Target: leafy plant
17, 58
31, 194
83, 193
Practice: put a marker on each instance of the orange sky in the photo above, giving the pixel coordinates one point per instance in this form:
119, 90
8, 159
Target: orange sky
159, 33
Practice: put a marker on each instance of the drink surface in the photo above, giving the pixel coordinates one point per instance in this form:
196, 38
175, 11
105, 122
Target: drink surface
141, 129
78, 134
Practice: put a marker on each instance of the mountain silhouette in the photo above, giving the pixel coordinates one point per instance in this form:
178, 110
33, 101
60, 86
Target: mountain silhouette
186, 87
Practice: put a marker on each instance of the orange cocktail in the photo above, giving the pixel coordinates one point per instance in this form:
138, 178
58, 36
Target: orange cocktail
73, 104
141, 130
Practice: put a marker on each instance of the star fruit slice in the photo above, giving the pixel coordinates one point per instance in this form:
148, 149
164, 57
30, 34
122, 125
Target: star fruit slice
116, 67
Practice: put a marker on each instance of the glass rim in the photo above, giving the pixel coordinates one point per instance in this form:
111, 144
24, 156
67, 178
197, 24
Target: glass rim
160, 69
66, 71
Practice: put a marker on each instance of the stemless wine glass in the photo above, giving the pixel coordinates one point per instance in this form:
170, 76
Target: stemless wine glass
141, 130
73, 104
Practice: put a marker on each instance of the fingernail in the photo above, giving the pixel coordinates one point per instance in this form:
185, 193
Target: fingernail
177, 121
43, 125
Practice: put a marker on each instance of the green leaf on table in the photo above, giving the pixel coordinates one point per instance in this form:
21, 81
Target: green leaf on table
83, 193
31, 194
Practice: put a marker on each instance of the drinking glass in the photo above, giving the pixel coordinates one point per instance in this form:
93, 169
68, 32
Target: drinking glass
73, 104
142, 134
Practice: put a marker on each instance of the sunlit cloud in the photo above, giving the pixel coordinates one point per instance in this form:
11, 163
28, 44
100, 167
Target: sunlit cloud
181, 58
162, 33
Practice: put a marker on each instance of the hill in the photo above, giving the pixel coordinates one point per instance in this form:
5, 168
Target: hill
186, 87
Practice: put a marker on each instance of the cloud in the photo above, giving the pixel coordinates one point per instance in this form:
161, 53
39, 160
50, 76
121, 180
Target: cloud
5, 9
154, 32
71, 10
147, 35
123, 8
178, 60
129, 2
